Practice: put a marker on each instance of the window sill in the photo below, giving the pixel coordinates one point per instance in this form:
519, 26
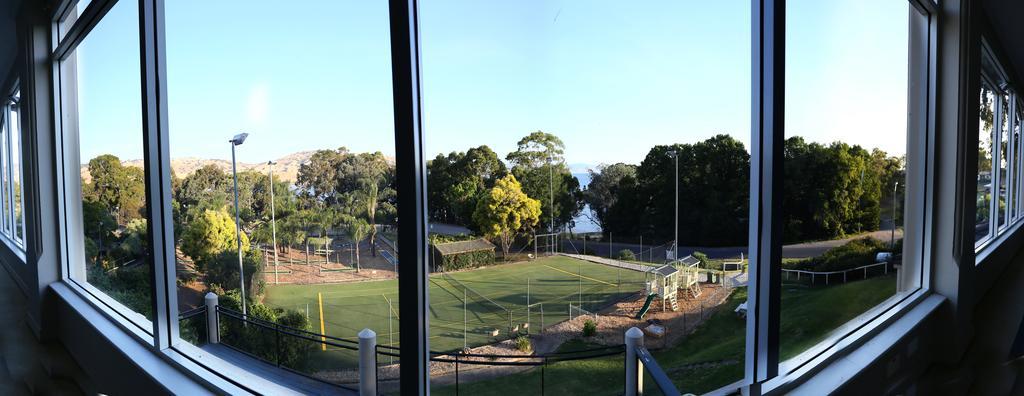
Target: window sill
859, 350
987, 249
182, 369
110, 352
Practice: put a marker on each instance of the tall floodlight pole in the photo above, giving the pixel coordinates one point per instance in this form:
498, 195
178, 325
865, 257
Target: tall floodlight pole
675, 242
273, 221
892, 237
551, 195
237, 141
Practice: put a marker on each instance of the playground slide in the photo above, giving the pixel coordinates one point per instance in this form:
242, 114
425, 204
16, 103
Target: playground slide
647, 305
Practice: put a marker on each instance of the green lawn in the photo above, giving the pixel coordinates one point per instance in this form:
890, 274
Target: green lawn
553, 281
808, 316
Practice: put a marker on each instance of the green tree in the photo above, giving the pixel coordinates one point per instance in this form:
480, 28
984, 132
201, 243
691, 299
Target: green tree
505, 211
457, 180
357, 230
603, 191
538, 163
713, 190
120, 189
222, 269
209, 235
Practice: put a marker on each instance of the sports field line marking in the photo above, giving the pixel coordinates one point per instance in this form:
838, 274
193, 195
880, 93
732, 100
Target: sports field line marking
581, 276
391, 307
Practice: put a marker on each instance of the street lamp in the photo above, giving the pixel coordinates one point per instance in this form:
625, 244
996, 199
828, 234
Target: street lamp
273, 220
892, 237
675, 243
237, 141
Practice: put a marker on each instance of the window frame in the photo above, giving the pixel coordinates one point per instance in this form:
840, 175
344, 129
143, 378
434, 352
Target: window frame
11, 90
997, 80
764, 372
69, 191
762, 365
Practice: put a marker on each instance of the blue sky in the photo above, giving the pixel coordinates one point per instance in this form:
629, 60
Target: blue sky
611, 78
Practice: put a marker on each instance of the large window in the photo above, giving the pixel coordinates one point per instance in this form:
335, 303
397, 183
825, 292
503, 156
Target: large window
311, 167
849, 169
10, 144
570, 151
999, 169
104, 190
584, 173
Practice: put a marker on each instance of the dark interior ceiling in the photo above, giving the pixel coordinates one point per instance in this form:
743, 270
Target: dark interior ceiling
1007, 18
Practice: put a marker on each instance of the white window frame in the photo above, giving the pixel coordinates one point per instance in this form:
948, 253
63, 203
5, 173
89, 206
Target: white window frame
11, 226
69, 186
1004, 96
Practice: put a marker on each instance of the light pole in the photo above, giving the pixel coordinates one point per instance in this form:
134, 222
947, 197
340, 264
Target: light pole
892, 237
675, 243
551, 192
273, 221
551, 199
237, 141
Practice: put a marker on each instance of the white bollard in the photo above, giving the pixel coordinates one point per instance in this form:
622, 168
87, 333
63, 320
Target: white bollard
212, 328
367, 363
634, 377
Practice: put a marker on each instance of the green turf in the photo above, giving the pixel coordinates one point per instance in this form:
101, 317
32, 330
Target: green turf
712, 356
351, 307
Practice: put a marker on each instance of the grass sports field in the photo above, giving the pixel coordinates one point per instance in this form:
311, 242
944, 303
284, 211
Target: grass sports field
493, 295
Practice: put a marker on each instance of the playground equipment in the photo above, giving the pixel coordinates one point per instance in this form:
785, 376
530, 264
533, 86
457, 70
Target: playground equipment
647, 306
733, 265
690, 267
664, 281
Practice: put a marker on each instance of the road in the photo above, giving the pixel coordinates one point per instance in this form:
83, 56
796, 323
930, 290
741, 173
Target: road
800, 250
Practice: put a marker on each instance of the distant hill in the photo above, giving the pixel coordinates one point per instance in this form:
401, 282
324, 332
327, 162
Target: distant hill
286, 168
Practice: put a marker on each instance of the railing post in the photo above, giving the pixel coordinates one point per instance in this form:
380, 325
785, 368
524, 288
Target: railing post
634, 376
212, 325
367, 363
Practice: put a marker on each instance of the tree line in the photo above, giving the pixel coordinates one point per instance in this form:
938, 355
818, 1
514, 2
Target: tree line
830, 190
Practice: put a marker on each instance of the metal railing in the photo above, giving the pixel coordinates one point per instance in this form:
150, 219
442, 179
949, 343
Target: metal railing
826, 274
639, 361
291, 349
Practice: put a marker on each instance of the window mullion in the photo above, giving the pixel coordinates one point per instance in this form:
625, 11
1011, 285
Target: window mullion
767, 137
410, 173
158, 172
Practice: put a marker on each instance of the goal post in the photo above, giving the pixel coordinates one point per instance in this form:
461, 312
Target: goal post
546, 244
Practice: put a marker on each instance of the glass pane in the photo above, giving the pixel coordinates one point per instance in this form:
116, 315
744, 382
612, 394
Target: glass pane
554, 132
102, 126
19, 221
983, 224
1004, 155
1017, 155
5, 192
315, 176
845, 167
72, 17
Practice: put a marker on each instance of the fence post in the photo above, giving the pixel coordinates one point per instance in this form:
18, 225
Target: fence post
634, 377
367, 363
212, 328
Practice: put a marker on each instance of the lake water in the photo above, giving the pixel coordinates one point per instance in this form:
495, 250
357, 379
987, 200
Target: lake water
583, 223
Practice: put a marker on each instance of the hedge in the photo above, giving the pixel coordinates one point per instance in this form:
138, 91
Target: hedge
459, 261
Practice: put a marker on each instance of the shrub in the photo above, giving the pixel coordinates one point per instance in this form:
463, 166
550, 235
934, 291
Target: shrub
222, 270
853, 254
261, 342
523, 344
625, 255
589, 328
466, 260
703, 258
